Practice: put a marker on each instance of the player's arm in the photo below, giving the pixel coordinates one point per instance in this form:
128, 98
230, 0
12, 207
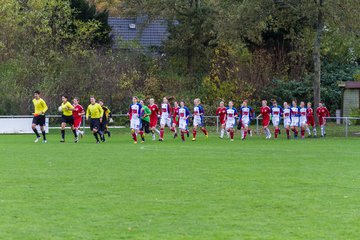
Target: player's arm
101, 111
82, 112
69, 107
45, 107
87, 113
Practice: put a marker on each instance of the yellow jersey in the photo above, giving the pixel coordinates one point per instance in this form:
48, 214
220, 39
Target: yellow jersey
94, 111
40, 106
66, 109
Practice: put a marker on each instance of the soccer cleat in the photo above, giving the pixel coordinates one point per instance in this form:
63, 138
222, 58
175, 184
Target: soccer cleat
97, 142
194, 139
250, 133
135, 142
44, 141
231, 140
62, 140
187, 134
175, 135
207, 136
109, 134
142, 141
76, 140
81, 134
37, 139
160, 140
269, 136
154, 138
221, 137
243, 139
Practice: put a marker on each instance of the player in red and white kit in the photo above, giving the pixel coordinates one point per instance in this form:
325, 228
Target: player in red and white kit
310, 119
322, 112
231, 115
165, 118
221, 112
303, 119
78, 113
153, 117
134, 115
175, 118
287, 119
265, 112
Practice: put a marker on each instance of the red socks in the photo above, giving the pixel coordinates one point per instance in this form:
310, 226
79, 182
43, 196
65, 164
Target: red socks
161, 133
194, 133
204, 131
134, 137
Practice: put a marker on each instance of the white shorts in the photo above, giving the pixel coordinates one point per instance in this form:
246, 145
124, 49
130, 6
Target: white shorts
287, 122
275, 121
197, 122
230, 124
294, 122
135, 124
245, 122
303, 121
182, 124
165, 121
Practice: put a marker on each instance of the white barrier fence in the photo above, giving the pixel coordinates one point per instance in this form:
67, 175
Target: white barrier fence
21, 124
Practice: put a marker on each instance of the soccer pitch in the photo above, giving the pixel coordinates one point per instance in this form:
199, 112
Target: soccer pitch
209, 189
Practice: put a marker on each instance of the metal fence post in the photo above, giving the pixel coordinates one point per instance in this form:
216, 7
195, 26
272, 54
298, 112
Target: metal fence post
217, 124
346, 127
257, 126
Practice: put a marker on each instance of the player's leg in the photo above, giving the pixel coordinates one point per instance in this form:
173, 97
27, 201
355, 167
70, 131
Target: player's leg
162, 128
195, 130
94, 125
62, 126
141, 131
203, 128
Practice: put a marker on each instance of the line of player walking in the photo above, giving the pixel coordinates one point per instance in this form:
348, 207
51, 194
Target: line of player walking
144, 119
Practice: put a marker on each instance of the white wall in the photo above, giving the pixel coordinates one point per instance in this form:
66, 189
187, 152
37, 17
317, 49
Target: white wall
19, 125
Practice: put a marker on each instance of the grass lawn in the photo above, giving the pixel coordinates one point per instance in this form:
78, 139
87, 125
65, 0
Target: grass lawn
214, 189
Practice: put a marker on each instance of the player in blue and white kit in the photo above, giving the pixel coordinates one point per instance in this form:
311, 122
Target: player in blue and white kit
287, 118
231, 115
198, 119
295, 118
276, 112
134, 114
184, 114
303, 119
246, 114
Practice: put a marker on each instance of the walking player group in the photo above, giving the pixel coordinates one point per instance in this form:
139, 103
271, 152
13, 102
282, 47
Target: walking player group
144, 118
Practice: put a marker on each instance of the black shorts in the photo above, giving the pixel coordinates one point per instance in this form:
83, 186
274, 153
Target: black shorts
39, 120
95, 124
67, 119
103, 125
145, 126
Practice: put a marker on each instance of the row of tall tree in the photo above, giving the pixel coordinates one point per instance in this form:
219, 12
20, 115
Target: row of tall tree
216, 49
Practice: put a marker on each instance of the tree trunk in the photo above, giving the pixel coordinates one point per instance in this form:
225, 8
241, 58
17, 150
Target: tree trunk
317, 54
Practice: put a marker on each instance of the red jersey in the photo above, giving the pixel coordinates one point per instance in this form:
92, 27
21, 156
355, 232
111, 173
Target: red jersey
322, 112
154, 111
175, 114
221, 112
265, 112
310, 117
78, 109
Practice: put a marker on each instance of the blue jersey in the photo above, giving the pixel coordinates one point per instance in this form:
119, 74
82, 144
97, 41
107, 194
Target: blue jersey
198, 112
246, 113
135, 111
184, 112
294, 112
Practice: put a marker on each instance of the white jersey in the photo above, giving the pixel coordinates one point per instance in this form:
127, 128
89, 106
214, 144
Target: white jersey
245, 115
287, 117
275, 114
165, 110
303, 118
135, 110
231, 114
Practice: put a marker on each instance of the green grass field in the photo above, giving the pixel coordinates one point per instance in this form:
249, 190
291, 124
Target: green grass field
214, 189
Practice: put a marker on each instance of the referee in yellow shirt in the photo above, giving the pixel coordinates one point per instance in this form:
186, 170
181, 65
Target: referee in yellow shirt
95, 112
67, 118
40, 109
